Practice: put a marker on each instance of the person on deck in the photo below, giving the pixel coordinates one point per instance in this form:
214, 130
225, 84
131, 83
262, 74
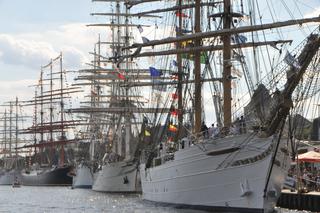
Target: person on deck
211, 131
204, 130
242, 125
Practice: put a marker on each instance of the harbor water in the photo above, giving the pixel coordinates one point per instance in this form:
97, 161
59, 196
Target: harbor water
64, 199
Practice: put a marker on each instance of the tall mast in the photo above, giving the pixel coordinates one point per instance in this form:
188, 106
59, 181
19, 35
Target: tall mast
16, 150
10, 130
226, 79
179, 86
197, 70
51, 102
5, 133
62, 112
41, 114
127, 116
41, 106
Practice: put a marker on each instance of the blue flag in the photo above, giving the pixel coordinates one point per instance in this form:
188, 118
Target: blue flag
154, 72
174, 63
239, 39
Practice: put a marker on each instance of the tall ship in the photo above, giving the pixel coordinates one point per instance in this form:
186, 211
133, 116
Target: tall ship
50, 162
92, 136
117, 110
239, 164
12, 161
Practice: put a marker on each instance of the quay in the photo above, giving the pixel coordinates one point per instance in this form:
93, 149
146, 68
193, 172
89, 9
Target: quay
301, 201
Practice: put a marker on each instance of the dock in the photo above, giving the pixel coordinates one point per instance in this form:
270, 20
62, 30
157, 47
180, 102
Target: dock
301, 201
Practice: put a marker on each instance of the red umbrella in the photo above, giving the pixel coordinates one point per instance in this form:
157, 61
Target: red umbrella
311, 157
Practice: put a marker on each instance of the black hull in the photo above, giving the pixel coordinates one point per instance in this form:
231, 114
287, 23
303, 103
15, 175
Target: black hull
53, 177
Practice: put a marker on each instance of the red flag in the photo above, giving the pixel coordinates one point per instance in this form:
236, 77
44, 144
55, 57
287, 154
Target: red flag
183, 15
120, 76
174, 113
174, 96
170, 139
174, 76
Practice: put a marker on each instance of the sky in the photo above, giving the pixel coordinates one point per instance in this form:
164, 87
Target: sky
33, 31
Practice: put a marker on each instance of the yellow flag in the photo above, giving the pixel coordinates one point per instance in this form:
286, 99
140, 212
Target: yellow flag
147, 133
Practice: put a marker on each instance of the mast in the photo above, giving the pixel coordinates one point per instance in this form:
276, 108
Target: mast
227, 65
16, 150
41, 114
51, 101
127, 115
197, 69
62, 112
179, 86
5, 133
10, 130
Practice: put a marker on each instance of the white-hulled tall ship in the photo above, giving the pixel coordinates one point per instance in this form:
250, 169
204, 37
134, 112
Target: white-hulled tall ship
122, 107
240, 165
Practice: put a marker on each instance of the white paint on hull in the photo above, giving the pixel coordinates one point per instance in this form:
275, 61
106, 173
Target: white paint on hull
198, 179
83, 177
117, 177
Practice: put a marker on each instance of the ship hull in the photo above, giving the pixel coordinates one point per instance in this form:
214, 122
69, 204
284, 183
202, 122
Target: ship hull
83, 177
53, 177
201, 177
117, 177
8, 177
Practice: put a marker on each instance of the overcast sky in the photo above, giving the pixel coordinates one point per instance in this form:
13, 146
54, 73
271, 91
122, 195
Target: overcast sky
33, 31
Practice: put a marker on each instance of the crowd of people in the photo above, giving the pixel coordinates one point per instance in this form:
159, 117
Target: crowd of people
309, 178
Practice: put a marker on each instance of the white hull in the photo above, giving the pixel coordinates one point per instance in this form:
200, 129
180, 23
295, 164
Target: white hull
117, 177
231, 181
83, 177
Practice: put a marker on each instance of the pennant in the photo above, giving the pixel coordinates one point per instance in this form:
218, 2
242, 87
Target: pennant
147, 133
145, 40
154, 72
173, 128
187, 43
174, 96
174, 77
174, 63
183, 15
203, 58
122, 77
174, 113
140, 28
239, 39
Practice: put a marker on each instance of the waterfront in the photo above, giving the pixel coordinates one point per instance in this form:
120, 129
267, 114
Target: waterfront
64, 199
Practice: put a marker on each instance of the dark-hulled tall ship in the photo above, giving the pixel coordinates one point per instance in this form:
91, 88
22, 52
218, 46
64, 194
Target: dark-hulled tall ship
50, 163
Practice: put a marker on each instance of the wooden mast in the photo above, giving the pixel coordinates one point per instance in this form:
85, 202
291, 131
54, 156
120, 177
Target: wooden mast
5, 133
62, 112
16, 145
227, 65
197, 71
10, 131
179, 86
41, 115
